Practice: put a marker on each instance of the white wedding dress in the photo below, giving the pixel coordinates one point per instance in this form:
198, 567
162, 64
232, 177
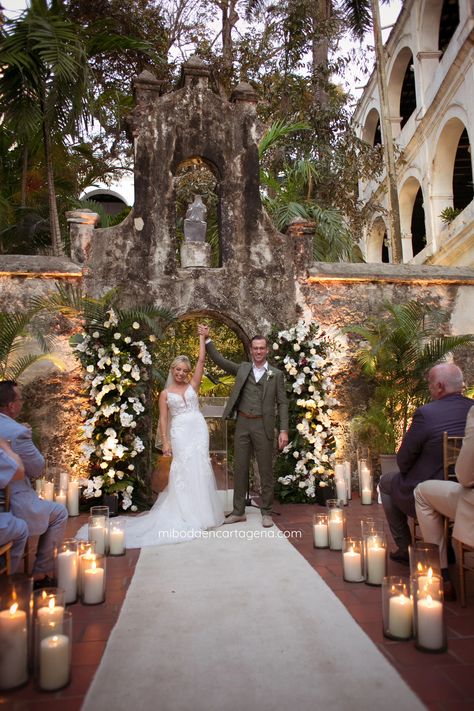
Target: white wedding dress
190, 503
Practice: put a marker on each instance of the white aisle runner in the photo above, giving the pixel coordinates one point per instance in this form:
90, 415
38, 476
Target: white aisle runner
239, 624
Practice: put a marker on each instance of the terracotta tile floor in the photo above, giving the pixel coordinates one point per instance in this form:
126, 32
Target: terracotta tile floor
444, 682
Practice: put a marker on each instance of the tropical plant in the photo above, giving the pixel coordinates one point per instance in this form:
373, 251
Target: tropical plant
15, 331
449, 214
399, 346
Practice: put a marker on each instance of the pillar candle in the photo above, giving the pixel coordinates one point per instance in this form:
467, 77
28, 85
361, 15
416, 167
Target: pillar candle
400, 616
336, 533
49, 615
429, 624
67, 574
352, 565
365, 478
116, 541
61, 498
97, 534
39, 486
63, 481
93, 583
348, 479
54, 662
14, 646
320, 535
48, 491
341, 490
73, 498
376, 563
366, 496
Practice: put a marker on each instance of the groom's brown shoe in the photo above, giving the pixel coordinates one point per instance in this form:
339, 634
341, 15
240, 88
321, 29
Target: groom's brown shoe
267, 521
235, 518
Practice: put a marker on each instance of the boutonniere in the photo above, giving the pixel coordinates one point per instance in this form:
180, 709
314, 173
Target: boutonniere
270, 374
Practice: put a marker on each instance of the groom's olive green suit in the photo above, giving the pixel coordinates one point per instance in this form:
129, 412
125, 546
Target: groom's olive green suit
255, 404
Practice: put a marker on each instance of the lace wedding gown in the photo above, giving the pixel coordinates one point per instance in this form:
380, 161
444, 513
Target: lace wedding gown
190, 503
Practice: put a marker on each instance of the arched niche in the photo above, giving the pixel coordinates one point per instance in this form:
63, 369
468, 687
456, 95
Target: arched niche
377, 247
401, 86
199, 176
412, 214
371, 132
452, 166
448, 23
112, 202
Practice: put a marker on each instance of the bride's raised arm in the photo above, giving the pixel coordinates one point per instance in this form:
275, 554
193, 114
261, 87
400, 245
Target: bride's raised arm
199, 369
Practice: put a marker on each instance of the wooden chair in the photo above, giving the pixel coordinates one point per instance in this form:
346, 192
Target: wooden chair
464, 567
451, 448
5, 549
5, 506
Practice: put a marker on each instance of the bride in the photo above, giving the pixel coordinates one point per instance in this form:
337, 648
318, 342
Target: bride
190, 503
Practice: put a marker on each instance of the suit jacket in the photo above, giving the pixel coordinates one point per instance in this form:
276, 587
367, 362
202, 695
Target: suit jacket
420, 456
274, 392
464, 519
24, 501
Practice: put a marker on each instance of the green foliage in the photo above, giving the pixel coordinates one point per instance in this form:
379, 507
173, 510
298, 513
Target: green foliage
398, 347
15, 330
449, 214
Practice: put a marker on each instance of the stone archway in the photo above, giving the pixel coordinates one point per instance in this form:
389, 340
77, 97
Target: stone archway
255, 284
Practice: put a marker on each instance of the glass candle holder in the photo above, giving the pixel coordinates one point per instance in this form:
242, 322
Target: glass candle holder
361, 464
63, 480
348, 478
61, 497
341, 488
73, 498
67, 569
48, 606
16, 595
102, 511
366, 487
84, 548
397, 608
98, 527
320, 531
430, 626
375, 558
116, 538
352, 560
47, 492
93, 579
336, 524
53, 647
424, 556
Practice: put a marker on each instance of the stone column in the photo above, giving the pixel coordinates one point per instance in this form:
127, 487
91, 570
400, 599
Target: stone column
301, 232
82, 224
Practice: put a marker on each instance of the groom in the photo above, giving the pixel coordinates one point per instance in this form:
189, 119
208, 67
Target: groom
258, 391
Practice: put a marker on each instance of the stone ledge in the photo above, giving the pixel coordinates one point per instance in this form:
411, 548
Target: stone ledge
396, 273
34, 266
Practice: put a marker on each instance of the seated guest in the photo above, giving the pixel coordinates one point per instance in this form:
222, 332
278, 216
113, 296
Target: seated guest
11, 528
436, 499
420, 456
44, 518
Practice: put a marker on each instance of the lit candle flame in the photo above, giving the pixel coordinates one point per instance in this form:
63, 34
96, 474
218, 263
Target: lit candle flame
52, 603
430, 573
94, 565
13, 609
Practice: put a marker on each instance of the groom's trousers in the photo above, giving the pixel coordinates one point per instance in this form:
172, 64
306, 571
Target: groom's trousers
250, 437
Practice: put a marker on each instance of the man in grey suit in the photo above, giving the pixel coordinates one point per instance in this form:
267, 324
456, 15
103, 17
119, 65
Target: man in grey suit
11, 528
44, 518
258, 392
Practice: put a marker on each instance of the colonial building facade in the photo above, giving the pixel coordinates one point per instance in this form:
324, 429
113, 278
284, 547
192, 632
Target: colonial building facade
430, 76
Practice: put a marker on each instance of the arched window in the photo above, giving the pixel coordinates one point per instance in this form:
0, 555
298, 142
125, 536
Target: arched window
408, 93
463, 191
196, 176
371, 133
449, 20
418, 229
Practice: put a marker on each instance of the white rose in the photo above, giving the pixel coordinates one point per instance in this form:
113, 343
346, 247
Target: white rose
127, 339
133, 508
131, 467
135, 325
275, 346
117, 336
103, 465
126, 368
90, 368
296, 455
152, 338
296, 347
96, 334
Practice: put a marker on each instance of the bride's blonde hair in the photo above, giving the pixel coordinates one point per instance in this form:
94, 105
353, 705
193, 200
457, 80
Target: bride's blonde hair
180, 359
